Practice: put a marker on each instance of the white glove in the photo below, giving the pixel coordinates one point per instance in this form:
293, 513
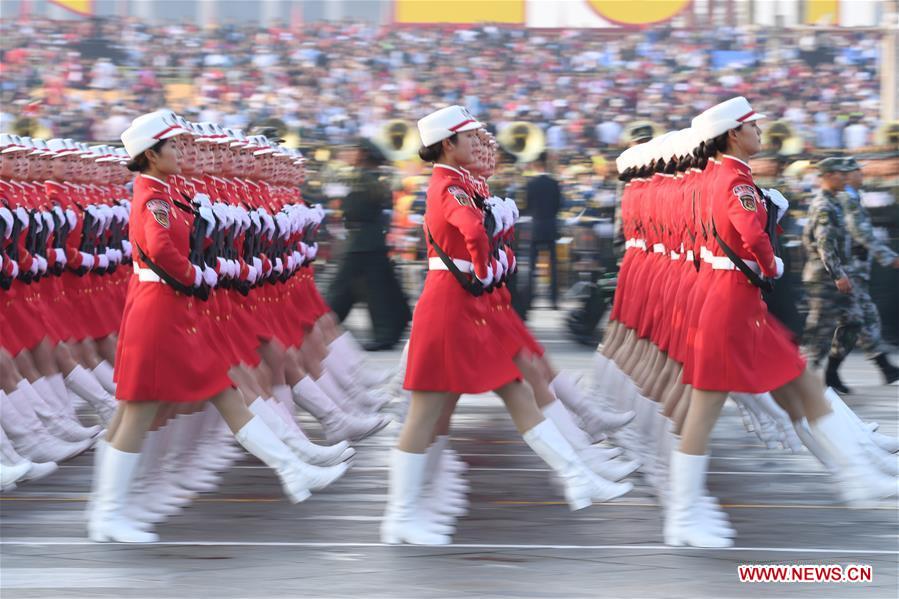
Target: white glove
71, 217
6, 215
279, 266
504, 260
779, 264
222, 214
60, 255
58, 211
312, 252
222, 266
488, 278
207, 215
778, 199
126, 248
513, 208
15, 269
209, 276
498, 275
102, 261
268, 224
198, 275
49, 223
252, 273
87, 260
283, 223
201, 199
297, 258
514, 266
23, 215
291, 262
257, 264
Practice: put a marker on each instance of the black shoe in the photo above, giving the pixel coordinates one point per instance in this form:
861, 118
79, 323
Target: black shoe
832, 377
890, 372
379, 345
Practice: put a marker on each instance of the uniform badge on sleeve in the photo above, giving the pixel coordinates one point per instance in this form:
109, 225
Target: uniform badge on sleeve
160, 211
746, 195
460, 195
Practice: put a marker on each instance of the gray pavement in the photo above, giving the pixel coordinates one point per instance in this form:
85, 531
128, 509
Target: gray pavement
519, 540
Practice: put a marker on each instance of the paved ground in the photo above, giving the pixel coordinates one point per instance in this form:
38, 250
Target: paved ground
519, 540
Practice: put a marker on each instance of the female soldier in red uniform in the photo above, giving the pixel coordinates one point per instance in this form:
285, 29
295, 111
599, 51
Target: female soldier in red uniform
739, 347
160, 356
452, 349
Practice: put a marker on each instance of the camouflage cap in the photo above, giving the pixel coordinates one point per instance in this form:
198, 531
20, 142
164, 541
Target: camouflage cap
850, 164
831, 164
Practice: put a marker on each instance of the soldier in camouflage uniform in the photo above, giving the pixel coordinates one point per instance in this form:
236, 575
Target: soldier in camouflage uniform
866, 247
834, 318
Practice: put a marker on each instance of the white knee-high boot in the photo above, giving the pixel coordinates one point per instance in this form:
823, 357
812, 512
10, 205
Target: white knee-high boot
582, 486
107, 521
402, 521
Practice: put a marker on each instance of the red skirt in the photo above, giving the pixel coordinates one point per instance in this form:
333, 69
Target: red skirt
23, 315
623, 282
162, 354
9, 340
739, 346
678, 343
453, 345
694, 309
637, 291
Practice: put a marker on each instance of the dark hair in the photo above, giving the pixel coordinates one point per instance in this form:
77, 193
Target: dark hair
719, 144
543, 158
433, 152
670, 167
701, 155
141, 163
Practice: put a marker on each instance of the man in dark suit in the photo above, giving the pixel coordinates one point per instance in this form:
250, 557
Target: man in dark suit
543, 197
366, 272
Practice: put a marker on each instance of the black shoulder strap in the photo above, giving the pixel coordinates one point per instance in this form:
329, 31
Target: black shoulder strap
169, 279
755, 279
471, 284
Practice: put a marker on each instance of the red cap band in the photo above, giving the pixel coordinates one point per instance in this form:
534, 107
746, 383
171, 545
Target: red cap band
460, 125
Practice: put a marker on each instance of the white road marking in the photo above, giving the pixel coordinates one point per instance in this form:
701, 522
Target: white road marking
312, 545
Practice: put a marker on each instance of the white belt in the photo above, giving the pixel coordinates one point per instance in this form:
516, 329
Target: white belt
463, 265
630, 243
145, 275
658, 248
705, 254
675, 255
724, 263
690, 256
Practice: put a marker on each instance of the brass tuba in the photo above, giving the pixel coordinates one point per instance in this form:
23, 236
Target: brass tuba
523, 140
888, 135
398, 139
780, 138
637, 130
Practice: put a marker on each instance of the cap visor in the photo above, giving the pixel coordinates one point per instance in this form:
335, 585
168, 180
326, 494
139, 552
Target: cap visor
754, 117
